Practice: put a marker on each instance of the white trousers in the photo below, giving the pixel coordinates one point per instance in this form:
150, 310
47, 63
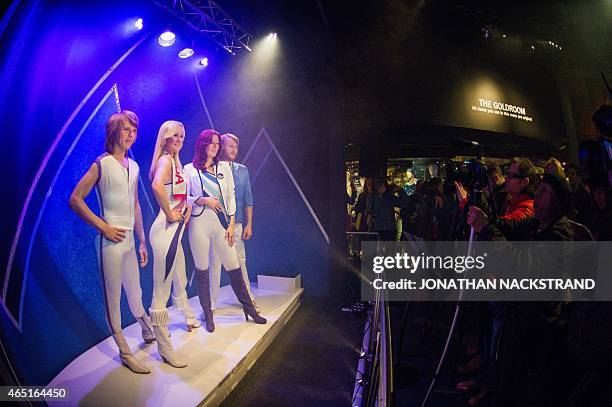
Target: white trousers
161, 237
119, 266
206, 235
215, 267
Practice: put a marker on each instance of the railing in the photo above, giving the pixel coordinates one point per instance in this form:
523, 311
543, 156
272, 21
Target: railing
374, 379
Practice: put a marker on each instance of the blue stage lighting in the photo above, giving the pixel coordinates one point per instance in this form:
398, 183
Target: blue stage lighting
204, 62
167, 39
186, 53
138, 24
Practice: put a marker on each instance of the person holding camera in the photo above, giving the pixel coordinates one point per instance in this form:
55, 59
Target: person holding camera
520, 186
530, 335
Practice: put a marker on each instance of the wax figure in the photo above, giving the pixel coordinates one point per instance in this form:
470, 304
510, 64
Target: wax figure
115, 177
170, 188
243, 221
211, 191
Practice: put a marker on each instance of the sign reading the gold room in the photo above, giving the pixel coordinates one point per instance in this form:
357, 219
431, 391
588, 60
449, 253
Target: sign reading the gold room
487, 106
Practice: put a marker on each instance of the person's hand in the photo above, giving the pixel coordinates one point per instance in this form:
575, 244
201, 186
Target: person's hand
144, 255
187, 214
247, 232
462, 193
229, 235
212, 203
477, 218
114, 233
176, 214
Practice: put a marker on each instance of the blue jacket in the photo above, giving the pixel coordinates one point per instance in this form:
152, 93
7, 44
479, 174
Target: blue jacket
242, 185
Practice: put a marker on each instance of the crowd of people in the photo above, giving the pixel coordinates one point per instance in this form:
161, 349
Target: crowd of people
437, 208
526, 353
210, 197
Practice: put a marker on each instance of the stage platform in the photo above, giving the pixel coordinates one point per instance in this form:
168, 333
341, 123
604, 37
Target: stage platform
217, 361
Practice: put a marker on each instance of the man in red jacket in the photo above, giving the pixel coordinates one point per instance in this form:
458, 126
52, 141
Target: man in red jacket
520, 184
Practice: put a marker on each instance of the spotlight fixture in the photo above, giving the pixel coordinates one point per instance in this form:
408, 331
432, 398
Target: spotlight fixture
186, 53
204, 62
533, 47
504, 35
272, 35
166, 39
138, 24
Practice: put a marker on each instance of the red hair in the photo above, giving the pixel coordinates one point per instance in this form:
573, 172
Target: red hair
204, 139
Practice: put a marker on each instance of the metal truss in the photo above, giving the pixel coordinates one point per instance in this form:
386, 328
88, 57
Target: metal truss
206, 17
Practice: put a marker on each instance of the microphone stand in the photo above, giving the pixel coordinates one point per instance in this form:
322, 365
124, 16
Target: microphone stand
476, 193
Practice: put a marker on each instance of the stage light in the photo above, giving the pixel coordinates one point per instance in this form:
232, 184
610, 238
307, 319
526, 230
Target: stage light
204, 62
138, 24
533, 47
186, 53
272, 35
166, 39
504, 35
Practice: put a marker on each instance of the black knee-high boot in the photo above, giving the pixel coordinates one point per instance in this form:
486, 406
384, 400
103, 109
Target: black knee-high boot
204, 296
239, 287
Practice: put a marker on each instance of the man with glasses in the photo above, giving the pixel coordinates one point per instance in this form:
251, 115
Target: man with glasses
520, 184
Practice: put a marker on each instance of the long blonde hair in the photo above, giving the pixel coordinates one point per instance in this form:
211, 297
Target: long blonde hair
167, 130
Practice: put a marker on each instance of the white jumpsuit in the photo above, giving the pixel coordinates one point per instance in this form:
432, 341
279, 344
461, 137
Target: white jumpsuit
117, 188
165, 240
205, 228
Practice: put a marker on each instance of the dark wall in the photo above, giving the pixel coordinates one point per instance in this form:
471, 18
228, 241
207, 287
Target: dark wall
414, 63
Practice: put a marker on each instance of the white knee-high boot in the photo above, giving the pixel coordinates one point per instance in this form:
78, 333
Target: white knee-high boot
159, 319
182, 304
147, 329
127, 357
